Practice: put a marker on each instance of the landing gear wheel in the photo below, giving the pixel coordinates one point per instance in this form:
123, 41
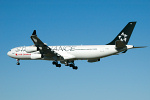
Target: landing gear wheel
75, 67
54, 63
58, 65
18, 63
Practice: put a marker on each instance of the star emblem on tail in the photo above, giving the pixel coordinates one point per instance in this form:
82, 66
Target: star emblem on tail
123, 37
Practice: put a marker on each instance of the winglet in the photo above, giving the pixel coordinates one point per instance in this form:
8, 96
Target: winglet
34, 32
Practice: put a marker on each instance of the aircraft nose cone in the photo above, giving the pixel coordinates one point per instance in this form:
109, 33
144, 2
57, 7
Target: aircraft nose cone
8, 53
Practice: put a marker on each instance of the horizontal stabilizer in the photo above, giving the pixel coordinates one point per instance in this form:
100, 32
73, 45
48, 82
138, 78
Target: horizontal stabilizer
140, 47
124, 51
134, 48
120, 45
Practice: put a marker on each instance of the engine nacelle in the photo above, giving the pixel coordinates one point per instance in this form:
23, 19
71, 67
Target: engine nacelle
31, 49
93, 60
36, 56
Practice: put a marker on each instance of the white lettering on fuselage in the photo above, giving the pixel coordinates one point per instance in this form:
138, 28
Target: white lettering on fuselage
62, 48
57, 48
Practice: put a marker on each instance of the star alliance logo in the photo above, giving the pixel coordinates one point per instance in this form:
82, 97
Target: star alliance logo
123, 37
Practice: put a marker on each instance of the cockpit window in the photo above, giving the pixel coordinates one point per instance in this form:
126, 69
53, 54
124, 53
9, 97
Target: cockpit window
17, 50
20, 49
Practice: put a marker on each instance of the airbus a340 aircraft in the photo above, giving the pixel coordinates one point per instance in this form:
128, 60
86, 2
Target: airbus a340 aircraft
68, 54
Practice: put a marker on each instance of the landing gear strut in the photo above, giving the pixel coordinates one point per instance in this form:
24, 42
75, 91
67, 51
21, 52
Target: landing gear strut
73, 65
56, 63
18, 62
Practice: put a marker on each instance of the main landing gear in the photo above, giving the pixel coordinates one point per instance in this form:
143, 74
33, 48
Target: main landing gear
56, 63
67, 63
73, 65
17, 62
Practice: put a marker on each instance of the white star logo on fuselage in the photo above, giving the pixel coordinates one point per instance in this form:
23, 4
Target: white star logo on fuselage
123, 37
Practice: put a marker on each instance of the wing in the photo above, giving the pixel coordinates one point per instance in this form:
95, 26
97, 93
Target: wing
43, 48
47, 51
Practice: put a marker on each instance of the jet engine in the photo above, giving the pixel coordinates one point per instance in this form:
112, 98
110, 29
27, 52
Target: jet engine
30, 49
36, 56
93, 60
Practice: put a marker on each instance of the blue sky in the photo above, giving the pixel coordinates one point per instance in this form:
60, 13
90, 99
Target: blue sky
75, 22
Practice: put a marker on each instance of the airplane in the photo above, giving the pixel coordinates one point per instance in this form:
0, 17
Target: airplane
68, 54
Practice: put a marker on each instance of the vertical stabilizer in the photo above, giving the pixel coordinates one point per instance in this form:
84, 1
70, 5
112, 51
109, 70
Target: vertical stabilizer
125, 34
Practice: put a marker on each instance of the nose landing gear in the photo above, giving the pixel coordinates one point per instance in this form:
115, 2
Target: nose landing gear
17, 62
